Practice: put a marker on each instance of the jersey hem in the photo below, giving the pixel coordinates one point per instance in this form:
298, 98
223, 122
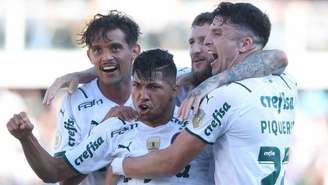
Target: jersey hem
199, 137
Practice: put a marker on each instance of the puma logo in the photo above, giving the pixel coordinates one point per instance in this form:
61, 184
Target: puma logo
208, 98
126, 147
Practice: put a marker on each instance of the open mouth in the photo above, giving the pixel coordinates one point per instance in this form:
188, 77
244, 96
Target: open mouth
143, 108
108, 69
214, 56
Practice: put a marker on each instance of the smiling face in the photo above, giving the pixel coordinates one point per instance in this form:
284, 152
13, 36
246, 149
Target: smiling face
112, 57
153, 98
200, 58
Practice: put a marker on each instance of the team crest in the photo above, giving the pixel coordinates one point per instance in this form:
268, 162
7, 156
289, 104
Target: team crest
153, 143
198, 118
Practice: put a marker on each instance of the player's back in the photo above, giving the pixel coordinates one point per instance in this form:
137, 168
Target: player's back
250, 123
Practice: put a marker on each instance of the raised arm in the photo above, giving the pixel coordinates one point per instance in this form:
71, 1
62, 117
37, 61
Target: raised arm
48, 168
71, 81
258, 64
166, 162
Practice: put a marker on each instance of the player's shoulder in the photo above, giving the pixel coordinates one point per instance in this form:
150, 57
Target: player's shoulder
86, 91
117, 127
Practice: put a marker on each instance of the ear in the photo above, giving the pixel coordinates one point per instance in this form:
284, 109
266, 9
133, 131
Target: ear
90, 59
136, 48
246, 44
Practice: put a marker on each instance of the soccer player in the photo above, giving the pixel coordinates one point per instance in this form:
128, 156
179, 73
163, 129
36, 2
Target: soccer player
153, 93
112, 42
249, 122
259, 63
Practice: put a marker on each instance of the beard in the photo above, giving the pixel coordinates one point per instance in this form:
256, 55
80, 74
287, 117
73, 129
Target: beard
200, 76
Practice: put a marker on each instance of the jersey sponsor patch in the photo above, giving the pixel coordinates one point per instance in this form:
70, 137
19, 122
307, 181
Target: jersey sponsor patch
153, 143
89, 104
89, 150
69, 125
196, 120
58, 140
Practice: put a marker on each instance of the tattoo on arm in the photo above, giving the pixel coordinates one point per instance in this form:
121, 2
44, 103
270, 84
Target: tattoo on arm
258, 64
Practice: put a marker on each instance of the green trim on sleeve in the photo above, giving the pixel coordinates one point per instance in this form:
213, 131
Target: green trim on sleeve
199, 137
59, 154
71, 166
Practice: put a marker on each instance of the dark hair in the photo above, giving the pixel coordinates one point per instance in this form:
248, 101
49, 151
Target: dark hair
155, 60
101, 24
203, 18
246, 16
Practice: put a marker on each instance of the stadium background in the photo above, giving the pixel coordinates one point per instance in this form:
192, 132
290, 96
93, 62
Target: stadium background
38, 44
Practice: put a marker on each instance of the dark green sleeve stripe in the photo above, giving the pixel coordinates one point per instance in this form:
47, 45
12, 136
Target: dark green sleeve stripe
71, 166
59, 154
203, 140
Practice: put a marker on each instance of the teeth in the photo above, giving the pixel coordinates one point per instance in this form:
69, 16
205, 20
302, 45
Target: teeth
108, 67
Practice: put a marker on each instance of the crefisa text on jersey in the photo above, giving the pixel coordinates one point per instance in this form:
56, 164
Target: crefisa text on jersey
88, 153
71, 130
217, 117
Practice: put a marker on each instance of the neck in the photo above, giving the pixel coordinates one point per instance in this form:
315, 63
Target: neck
117, 92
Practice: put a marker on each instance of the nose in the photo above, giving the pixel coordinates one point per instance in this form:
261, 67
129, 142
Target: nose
208, 40
196, 48
107, 55
144, 94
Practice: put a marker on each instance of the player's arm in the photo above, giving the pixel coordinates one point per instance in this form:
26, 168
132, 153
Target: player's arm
166, 162
258, 64
71, 81
48, 168
73, 180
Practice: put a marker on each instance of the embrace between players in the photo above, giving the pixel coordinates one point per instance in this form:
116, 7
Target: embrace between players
238, 92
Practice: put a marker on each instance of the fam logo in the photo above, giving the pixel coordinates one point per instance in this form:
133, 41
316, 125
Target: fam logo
69, 125
89, 104
122, 130
90, 149
217, 116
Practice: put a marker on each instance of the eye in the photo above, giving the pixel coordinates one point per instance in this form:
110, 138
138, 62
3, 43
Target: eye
191, 42
115, 48
96, 50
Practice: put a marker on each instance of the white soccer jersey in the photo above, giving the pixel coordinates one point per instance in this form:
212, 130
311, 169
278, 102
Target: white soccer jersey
80, 112
115, 138
250, 124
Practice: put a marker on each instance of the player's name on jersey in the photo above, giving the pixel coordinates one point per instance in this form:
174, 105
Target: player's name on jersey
90, 149
69, 125
89, 104
276, 127
278, 102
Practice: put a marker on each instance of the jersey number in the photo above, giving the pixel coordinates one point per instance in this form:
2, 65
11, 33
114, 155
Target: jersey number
271, 155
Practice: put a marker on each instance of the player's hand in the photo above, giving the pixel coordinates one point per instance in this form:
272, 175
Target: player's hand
123, 112
194, 98
71, 81
20, 126
110, 178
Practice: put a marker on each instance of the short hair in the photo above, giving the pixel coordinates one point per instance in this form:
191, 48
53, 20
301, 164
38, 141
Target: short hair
155, 60
246, 16
101, 24
203, 18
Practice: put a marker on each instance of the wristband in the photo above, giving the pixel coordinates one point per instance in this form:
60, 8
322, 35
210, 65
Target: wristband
117, 166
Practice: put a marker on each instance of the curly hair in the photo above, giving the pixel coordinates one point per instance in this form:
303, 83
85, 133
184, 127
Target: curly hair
101, 24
